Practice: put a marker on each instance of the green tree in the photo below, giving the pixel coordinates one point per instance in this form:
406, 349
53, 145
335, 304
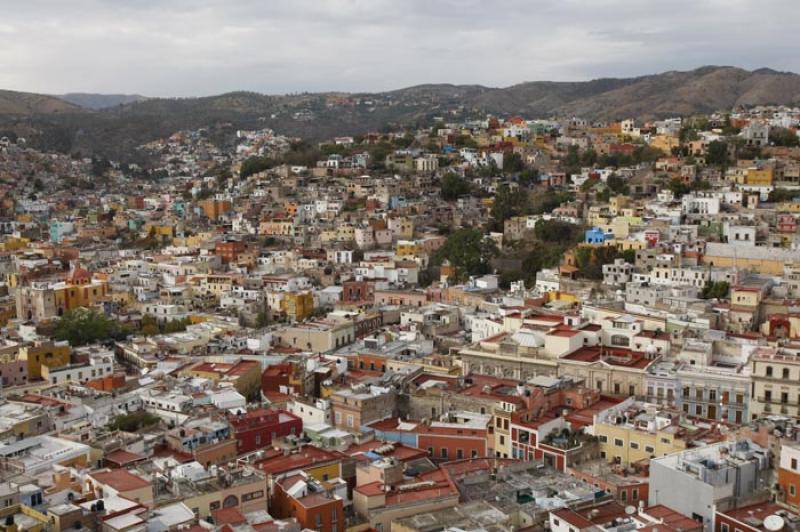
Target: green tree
453, 186
780, 136
133, 421
715, 290
557, 231
717, 153
677, 187
469, 251
528, 177
507, 204
255, 164
149, 326
262, 319
512, 163
617, 184
176, 325
545, 201
83, 326
590, 260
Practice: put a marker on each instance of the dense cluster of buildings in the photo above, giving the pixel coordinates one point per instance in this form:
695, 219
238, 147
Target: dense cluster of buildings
241, 342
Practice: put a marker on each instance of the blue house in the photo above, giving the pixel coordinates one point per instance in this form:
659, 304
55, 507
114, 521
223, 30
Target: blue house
595, 235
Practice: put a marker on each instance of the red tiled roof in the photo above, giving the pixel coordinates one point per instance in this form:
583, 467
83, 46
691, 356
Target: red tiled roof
122, 457
121, 480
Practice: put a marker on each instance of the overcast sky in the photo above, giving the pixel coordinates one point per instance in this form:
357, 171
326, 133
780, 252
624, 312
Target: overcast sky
200, 47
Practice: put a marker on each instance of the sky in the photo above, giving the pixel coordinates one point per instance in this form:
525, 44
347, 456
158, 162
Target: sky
203, 47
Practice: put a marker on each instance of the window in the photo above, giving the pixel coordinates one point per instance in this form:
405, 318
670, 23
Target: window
635, 494
603, 438
785, 373
794, 464
665, 440
619, 443
649, 449
459, 453
623, 495
768, 371
349, 420
792, 490
430, 451
444, 452
634, 445
724, 527
474, 453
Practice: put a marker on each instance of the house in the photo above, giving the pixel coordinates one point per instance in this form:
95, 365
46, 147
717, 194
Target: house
256, 429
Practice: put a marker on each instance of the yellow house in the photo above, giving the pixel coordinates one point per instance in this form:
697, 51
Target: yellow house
213, 209
617, 203
760, 177
45, 354
297, 306
325, 471
665, 143
561, 296
745, 297
162, 230
626, 440
14, 243
406, 248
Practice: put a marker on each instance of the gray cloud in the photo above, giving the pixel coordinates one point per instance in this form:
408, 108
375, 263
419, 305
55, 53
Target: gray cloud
197, 47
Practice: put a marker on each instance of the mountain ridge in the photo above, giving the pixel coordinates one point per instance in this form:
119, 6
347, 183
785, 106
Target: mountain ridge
115, 130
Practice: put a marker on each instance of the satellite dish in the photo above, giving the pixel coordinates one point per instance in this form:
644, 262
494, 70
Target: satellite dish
630, 510
773, 523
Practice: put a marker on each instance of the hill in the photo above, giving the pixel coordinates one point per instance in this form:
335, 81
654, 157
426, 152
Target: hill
13, 103
99, 101
116, 129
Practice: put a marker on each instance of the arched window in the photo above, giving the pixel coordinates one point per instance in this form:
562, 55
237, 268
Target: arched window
230, 501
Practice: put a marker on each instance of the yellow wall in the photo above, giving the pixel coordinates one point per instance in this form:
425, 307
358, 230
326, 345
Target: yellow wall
48, 354
333, 470
662, 443
757, 177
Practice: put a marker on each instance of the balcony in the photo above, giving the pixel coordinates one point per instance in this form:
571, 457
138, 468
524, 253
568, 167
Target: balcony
777, 401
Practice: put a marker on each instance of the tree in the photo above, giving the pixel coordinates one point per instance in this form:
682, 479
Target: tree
453, 186
507, 204
717, 153
677, 187
83, 326
255, 164
513, 163
617, 184
176, 325
262, 319
780, 136
590, 260
133, 421
529, 177
549, 199
715, 290
468, 251
557, 231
